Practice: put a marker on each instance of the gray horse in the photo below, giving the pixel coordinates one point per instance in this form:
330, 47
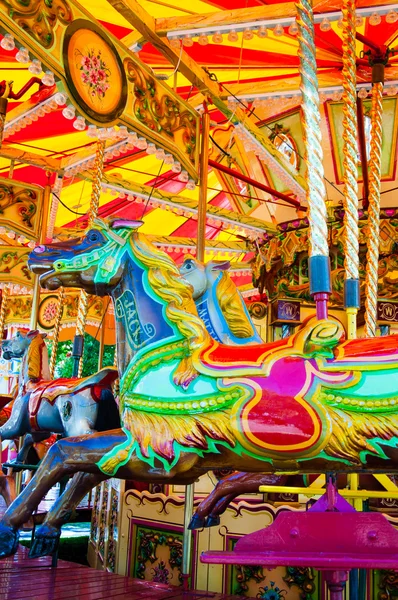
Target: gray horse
66, 406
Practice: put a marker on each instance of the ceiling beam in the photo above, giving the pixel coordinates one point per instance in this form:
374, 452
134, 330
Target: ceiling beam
231, 218
133, 12
29, 158
283, 10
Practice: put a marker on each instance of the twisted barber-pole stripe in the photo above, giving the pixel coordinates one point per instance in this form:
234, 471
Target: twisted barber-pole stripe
93, 212
350, 148
316, 192
81, 322
4, 301
97, 180
57, 327
372, 256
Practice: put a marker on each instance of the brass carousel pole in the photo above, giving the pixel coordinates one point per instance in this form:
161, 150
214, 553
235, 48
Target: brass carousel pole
42, 240
57, 328
374, 169
350, 147
78, 342
319, 263
3, 113
200, 255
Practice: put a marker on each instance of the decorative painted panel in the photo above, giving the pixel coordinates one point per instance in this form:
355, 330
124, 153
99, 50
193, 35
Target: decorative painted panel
19, 309
158, 555
389, 142
14, 266
20, 207
106, 82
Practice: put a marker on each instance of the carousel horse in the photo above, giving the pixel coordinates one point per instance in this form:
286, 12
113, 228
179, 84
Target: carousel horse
310, 403
218, 302
43, 407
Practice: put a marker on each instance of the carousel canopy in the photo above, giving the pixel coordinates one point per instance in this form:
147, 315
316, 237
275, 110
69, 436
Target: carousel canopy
238, 59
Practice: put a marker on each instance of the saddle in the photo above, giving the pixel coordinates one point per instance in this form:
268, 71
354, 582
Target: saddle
51, 390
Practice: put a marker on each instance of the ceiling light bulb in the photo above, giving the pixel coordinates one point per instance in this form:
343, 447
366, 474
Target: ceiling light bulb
391, 16
151, 148
203, 39
79, 124
340, 23
160, 154
175, 43
248, 34
168, 159
262, 32
142, 143
392, 91
35, 67
325, 25
359, 21
60, 99
22, 55
183, 176
374, 19
233, 36
176, 167
363, 93
190, 185
122, 133
293, 29
92, 131
69, 112
278, 30
48, 79
337, 96
217, 38
187, 41
8, 42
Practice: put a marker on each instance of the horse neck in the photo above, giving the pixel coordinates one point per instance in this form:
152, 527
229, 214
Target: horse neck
139, 316
35, 361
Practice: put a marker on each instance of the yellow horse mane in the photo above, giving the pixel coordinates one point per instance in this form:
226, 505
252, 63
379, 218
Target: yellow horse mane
37, 359
167, 283
231, 306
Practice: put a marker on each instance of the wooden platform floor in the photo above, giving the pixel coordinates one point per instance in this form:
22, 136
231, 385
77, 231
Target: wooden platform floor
22, 578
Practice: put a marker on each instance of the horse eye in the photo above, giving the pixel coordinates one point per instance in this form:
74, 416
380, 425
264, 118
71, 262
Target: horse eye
93, 237
39, 249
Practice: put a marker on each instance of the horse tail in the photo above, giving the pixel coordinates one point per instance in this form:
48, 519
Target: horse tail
108, 416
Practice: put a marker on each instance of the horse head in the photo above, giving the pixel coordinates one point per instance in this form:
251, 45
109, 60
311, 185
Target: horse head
201, 276
16, 346
90, 262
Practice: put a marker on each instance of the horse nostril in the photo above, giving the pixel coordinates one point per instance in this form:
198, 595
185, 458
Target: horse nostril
39, 249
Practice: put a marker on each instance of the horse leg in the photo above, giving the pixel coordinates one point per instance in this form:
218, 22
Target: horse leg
47, 535
65, 457
227, 490
30, 439
7, 488
18, 423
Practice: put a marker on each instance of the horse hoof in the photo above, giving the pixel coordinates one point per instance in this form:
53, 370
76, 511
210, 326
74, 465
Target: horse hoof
44, 543
9, 539
197, 522
213, 520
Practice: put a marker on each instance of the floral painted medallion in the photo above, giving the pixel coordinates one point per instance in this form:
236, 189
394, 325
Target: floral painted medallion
94, 72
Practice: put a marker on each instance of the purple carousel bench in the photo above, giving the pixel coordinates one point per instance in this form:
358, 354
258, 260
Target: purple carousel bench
331, 536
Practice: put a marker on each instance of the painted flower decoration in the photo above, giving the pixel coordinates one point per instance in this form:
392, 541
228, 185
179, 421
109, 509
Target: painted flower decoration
273, 592
94, 73
50, 312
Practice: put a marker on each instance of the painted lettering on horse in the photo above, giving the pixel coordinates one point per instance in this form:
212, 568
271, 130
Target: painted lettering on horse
126, 311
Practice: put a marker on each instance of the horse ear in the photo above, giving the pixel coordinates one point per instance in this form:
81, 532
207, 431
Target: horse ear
221, 266
32, 333
44, 335
125, 224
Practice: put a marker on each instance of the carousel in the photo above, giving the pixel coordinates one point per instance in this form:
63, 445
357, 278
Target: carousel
199, 294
